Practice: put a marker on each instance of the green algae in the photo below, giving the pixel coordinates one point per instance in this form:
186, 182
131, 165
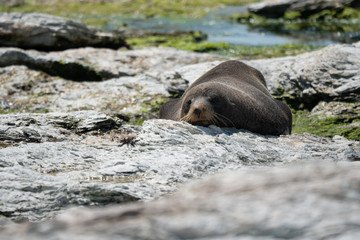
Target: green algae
192, 43
347, 125
153, 105
149, 109
8, 111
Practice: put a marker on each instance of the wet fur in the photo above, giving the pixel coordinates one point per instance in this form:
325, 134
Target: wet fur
243, 101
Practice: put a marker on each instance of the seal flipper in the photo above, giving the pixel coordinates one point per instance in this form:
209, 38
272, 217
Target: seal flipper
287, 112
171, 110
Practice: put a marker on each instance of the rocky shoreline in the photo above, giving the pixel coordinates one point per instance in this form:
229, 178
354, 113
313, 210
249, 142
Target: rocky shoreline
65, 141
275, 8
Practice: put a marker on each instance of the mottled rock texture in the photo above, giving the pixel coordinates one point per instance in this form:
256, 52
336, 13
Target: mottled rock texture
305, 201
95, 168
47, 32
124, 80
331, 73
277, 8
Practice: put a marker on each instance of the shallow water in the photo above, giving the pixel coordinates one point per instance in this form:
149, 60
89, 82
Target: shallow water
219, 29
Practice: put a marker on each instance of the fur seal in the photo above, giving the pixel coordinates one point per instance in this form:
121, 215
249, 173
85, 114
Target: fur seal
231, 94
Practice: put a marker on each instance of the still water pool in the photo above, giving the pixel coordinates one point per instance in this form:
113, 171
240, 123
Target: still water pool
220, 29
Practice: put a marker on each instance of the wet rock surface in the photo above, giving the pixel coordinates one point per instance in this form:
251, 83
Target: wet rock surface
49, 33
306, 201
277, 8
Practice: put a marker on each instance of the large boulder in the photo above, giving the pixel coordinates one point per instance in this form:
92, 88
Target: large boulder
305, 201
331, 73
277, 8
46, 32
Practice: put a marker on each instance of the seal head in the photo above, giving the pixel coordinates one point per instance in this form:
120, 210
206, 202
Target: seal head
208, 108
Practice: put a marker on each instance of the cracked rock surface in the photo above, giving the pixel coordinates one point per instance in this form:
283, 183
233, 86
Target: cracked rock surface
165, 155
47, 32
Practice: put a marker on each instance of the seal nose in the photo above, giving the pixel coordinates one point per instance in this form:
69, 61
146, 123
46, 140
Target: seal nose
197, 112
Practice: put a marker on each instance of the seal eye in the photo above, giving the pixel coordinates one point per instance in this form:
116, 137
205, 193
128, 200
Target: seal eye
187, 106
214, 100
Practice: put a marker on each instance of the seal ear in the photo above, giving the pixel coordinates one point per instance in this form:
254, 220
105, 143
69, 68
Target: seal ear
171, 110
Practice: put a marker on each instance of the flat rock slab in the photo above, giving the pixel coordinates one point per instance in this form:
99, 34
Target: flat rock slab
309, 201
47, 32
107, 80
39, 180
331, 73
90, 64
53, 126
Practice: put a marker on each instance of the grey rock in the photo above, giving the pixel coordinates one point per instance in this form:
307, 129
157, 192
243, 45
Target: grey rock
90, 64
51, 127
46, 32
270, 8
336, 109
42, 195
26, 89
12, 3
306, 201
177, 80
55, 65
96, 169
277, 8
331, 73
339, 112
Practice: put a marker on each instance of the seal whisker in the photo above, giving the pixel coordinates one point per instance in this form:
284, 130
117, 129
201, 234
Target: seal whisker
213, 120
225, 118
185, 118
219, 120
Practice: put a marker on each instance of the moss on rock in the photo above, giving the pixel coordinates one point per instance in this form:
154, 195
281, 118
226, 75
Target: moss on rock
346, 125
338, 20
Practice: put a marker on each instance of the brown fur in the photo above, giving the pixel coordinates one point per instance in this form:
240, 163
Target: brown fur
232, 94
